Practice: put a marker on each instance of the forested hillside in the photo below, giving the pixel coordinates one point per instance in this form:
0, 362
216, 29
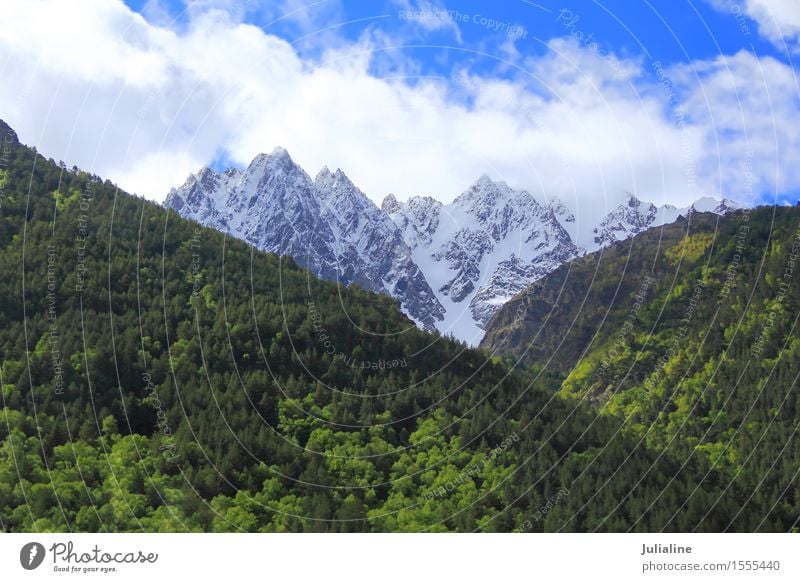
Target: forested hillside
158, 376
687, 334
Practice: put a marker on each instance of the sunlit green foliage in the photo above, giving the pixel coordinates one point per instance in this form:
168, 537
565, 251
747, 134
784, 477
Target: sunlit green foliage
158, 376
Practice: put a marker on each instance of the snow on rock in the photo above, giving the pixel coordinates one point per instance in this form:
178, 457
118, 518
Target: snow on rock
327, 225
451, 266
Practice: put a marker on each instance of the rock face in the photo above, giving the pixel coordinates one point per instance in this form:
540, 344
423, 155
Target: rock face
451, 266
327, 225
635, 216
482, 249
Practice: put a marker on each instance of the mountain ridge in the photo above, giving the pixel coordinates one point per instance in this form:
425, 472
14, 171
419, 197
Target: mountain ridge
159, 376
451, 266
313, 221
688, 332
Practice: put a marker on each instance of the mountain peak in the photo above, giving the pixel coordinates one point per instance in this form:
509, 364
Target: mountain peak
327, 225
709, 204
205, 176
704, 204
390, 204
427, 254
277, 163
327, 182
484, 191
277, 157
323, 174
632, 201
560, 210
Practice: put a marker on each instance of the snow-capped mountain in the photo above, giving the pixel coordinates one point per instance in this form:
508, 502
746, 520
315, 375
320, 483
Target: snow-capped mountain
635, 216
327, 225
492, 242
451, 266
482, 249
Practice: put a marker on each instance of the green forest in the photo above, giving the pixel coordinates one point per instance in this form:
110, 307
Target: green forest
158, 376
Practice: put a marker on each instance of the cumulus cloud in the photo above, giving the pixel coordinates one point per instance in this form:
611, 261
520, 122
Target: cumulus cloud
778, 20
93, 83
748, 107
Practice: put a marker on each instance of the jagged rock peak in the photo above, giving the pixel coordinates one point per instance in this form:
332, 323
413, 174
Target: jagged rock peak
450, 265
483, 191
390, 204
326, 224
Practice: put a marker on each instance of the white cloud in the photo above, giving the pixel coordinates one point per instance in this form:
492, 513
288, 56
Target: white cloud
778, 20
749, 108
92, 83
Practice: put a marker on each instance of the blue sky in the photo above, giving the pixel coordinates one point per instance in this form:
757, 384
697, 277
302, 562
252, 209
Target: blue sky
579, 100
671, 31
